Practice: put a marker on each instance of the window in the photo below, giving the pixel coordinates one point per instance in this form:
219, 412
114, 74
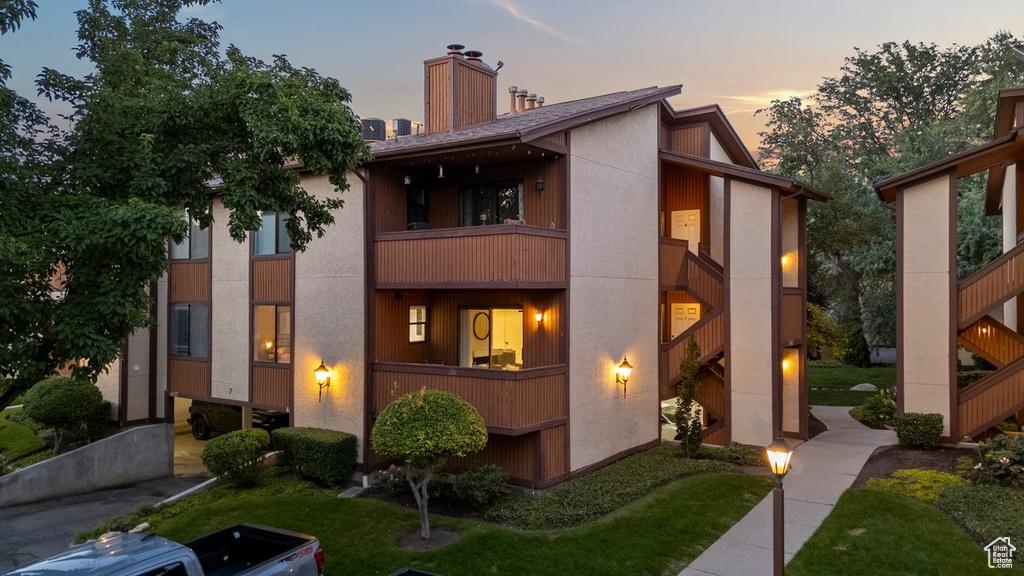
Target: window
491, 338
195, 245
492, 204
272, 237
417, 323
189, 327
416, 208
272, 333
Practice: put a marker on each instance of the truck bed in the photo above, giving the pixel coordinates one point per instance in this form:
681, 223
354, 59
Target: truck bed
241, 548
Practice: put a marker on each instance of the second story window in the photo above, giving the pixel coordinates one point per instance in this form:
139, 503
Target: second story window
272, 333
487, 204
272, 237
417, 323
189, 327
196, 244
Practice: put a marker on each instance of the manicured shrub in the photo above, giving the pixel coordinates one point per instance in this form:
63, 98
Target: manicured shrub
237, 457
423, 429
481, 487
735, 453
853, 350
965, 378
73, 408
592, 496
924, 485
987, 510
688, 419
877, 411
391, 481
326, 456
916, 430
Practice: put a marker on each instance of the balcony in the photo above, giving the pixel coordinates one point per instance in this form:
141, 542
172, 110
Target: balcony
500, 256
511, 402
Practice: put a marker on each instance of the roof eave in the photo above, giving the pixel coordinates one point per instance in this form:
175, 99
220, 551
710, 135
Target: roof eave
752, 175
599, 113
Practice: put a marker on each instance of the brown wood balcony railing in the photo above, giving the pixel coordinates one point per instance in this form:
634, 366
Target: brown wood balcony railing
511, 402
500, 256
1000, 280
991, 400
709, 332
681, 269
993, 341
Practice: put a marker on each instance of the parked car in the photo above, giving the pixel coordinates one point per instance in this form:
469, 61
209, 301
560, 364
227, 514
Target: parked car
209, 417
241, 550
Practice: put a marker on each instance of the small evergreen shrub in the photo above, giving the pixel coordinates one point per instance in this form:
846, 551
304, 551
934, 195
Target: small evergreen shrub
481, 487
326, 456
877, 411
965, 378
72, 407
735, 453
237, 457
853, 350
924, 485
916, 430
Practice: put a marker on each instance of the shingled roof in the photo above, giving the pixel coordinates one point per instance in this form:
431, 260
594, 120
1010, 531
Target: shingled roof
528, 124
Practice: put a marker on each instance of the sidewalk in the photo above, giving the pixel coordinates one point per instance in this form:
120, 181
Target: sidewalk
823, 468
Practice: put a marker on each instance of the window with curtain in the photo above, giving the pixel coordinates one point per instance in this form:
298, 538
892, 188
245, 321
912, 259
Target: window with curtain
189, 330
272, 333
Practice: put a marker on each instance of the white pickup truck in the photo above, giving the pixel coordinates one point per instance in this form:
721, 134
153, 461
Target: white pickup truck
242, 550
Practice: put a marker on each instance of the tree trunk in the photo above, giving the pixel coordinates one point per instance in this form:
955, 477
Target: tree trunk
419, 492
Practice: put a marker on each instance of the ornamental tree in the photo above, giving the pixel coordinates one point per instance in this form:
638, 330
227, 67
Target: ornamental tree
167, 118
423, 429
690, 433
69, 406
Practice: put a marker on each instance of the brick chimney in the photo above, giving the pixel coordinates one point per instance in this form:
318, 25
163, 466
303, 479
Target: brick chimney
459, 91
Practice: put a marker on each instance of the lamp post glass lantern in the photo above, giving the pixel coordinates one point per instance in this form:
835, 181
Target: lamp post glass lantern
622, 374
323, 378
779, 456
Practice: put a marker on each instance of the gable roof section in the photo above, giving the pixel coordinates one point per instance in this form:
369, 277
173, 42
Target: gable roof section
527, 125
720, 127
1006, 117
737, 172
995, 153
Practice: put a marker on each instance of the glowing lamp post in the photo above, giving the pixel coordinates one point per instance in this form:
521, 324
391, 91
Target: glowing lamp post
779, 455
323, 378
622, 373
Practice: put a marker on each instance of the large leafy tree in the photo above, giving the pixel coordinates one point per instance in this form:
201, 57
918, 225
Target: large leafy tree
888, 111
166, 119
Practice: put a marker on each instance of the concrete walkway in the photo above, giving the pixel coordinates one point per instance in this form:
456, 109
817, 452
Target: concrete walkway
823, 468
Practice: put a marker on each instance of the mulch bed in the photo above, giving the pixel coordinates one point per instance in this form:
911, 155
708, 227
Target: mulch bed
888, 459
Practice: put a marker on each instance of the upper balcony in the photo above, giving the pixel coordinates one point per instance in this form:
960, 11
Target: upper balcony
481, 220
500, 256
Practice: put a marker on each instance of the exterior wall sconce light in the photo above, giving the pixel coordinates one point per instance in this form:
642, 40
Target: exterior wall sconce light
476, 169
407, 180
622, 373
779, 455
539, 184
785, 260
786, 364
539, 317
440, 171
323, 378
984, 329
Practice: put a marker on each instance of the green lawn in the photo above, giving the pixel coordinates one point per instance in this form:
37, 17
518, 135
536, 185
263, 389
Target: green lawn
17, 440
829, 383
871, 532
658, 534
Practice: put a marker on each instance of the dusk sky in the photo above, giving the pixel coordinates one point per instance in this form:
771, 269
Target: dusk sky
738, 54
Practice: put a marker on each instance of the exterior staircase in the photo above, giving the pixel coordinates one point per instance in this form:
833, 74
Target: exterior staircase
701, 277
999, 395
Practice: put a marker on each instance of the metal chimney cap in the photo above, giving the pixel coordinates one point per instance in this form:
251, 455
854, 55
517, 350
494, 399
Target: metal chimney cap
513, 89
455, 48
540, 99
476, 54
522, 92
531, 97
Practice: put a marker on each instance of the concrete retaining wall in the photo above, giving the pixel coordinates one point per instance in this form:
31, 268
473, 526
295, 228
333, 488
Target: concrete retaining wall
131, 456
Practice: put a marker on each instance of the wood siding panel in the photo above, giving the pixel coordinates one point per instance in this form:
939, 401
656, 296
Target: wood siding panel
685, 189
991, 400
391, 336
516, 454
993, 341
271, 385
704, 282
189, 281
438, 104
507, 404
188, 377
711, 396
688, 139
671, 256
994, 284
475, 96
792, 318
554, 460
558, 139
503, 255
272, 280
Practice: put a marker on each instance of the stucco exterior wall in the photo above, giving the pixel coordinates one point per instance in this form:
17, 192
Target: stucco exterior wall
925, 260
749, 293
109, 383
1010, 236
329, 316
138, 375
716, 217
229, 324
718, 153
161, 344
613, 282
